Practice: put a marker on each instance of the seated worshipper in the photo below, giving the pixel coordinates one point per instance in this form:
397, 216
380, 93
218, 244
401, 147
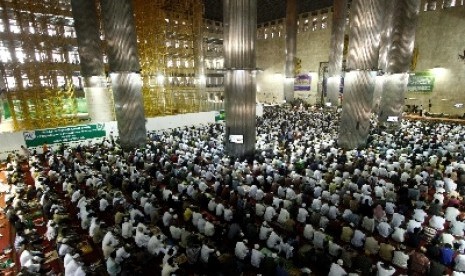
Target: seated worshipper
127, 228
241, 250
256, 257
274, 241
30, 260
457, 228
155, 244
122, 253
205, 252
141, 238
358, 240
371, 246
265, 231
437, 222
418, 263
446, 254
113, 268
384, 269
169, 268
169, 253
336, 269
451, 213
270, 213
283, 216
384, 229
399, 234
319, 238
51, 230
386, 251
400, 258
109, 242
73, 265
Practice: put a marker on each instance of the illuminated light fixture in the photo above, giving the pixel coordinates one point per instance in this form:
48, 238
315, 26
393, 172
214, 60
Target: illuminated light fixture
438, 71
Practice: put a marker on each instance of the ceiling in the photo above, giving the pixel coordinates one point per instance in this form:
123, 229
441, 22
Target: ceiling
269, 9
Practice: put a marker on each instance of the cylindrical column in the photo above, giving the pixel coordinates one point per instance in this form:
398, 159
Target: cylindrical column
405, 14
365, 27
199, 53
291, 48
240, 25
336, 51
99, 101
124, 71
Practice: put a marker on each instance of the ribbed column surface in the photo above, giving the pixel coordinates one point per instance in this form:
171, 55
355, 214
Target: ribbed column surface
240, 24
88, 37
120, 35
392, 100
365, 26
128, 109
291, 48
366, 23
336, 54
356, 111
99, 99
239, 28
124, 67
399, 57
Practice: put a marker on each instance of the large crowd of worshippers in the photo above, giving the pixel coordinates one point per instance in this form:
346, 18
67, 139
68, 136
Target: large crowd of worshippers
301, 205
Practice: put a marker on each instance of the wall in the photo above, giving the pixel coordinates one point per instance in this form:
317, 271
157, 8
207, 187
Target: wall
440, 39
10, 143
312, 48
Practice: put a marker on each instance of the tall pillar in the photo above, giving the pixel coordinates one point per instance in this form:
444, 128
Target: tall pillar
291, 46
124, 71
399, 57
99, 101
199, 54
336, 51
385, 45
240, 26
365, 27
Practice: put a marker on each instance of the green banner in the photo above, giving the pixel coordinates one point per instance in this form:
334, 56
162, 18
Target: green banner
420, 82
220, 115
63, 134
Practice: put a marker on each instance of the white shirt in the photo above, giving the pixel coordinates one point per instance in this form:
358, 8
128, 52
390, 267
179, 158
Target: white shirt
283, 216
397, 220
459, 263
400, 259
384, 271
175, 232
451, 213
336, 270
412, 224
270, 212
209, 229
308, 232
457, 228
399, 234
437, 222
121, 254
205, 252
273, 241
126, 229
384, 229
302, 215
358, 239
256, 258
419, 215
264, 232
241, 250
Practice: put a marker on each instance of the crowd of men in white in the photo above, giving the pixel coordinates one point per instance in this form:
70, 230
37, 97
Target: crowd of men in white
396, 206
